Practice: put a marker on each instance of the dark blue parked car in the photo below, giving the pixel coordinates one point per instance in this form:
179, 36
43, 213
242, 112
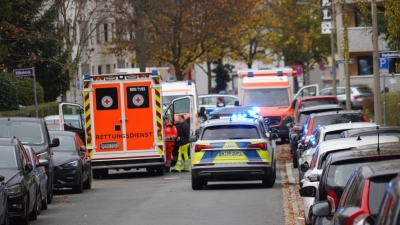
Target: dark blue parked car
3, 203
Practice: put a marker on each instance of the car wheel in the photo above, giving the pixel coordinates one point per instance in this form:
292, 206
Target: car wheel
88, 182
44, 204
79, 188
6, 217
160, 170
295, 160
300, 178
268, 182
197, 184
25, 219
33, 214
274, 172
39, 202
50, 194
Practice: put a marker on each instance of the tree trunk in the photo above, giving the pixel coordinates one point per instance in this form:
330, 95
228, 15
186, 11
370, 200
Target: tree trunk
209, 76
140, 42
178, 71
72, 86
249, 65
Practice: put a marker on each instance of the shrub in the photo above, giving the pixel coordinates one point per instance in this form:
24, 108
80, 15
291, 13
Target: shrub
392, 108
44, 109
368, 105
8, 94
25, 90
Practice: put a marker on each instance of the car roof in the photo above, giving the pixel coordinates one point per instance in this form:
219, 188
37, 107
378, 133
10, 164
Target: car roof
336, 112
320, 107
342, 126
304, 99
228, 121
366, 151
25, 119
382, 168
369, 129
218, 95
62, 133
7, 141
345, 143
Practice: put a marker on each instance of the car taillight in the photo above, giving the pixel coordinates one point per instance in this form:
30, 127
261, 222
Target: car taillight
333, 201
356, 96
198, 148
365, 118
359, 216
296, 129
262, 146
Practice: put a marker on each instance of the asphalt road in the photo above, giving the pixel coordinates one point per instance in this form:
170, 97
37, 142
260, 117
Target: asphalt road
140, 198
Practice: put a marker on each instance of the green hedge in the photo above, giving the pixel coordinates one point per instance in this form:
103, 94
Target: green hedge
25, 90
8, 94
44, 109
392, 108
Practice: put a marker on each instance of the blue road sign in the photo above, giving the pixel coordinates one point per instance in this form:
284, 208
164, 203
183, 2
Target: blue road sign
383, 63
28, 72
389, 54
330, 72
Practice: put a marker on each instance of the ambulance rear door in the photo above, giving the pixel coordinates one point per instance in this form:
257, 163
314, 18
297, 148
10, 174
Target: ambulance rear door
71, 118
139, 115
181, 106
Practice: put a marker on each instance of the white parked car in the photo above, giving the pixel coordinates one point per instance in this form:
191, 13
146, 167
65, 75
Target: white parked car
324, 133
313, 171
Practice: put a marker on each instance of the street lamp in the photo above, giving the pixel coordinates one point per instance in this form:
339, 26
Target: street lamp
332, 42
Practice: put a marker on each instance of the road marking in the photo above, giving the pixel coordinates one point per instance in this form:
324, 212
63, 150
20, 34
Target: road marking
171, 178
290, 173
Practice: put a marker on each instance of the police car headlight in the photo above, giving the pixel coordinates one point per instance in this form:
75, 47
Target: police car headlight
43, 155
70, 164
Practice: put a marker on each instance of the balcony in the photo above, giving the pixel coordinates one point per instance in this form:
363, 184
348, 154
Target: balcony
360, 40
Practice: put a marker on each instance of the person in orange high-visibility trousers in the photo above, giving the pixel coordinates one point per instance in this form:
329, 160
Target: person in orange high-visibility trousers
183, 152
170, 133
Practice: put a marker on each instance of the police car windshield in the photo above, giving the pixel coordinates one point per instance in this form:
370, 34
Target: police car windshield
266, 97
230, 132
26, 132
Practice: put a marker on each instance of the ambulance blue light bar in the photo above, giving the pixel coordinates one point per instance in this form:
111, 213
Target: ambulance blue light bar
250, 74
280, 73
189, 82
86, 76
154, 72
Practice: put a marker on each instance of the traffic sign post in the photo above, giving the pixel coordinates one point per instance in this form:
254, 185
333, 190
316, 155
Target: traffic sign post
28, 72
384, 71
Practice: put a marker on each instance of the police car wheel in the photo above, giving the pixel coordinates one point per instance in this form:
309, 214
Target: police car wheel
197, 184
268, 182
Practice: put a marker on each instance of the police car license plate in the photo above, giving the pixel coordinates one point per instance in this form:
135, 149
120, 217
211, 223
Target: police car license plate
109, 145
230, 153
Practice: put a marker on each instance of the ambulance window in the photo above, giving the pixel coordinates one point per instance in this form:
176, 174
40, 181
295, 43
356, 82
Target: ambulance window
137, 97
182, 106
106, 98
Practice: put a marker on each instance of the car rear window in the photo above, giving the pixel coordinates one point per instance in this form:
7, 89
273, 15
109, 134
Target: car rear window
377, 190
337, 118
332, 135
381, 133
364, 90
318, 102
26, 132
339, 174
230, 132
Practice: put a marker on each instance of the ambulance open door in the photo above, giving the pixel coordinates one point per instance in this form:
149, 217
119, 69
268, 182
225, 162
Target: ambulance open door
306, 91
71, 118
182, 106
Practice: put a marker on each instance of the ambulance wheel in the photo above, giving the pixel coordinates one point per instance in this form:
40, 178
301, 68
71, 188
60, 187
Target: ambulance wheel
96, 174
104, 173
160, 170
197, 184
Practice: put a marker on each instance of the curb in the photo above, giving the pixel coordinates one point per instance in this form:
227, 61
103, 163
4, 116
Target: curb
289, 173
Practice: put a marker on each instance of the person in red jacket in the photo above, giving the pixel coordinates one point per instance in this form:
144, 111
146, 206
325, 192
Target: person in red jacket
170, 133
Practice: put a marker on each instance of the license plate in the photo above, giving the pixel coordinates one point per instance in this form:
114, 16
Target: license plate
230, 153
109, 145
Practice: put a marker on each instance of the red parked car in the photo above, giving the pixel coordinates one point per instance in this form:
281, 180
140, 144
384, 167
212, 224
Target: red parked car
297, 104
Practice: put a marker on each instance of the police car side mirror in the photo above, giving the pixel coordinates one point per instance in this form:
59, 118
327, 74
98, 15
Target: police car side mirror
237, 103
274, 136
192, 138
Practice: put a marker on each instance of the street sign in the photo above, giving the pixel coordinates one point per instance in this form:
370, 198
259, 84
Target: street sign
384, 72
330, 72
389, 54
383, 63
28, 72
342, 61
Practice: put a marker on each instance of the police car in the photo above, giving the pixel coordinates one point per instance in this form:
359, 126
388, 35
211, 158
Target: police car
236, 147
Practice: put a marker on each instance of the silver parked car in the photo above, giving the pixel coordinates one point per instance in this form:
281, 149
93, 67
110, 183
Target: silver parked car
357, 95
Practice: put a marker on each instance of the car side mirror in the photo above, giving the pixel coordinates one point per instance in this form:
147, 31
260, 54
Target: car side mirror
55, 143
1, 178
313, 178
82, 149
308, 191
304, 167
301, 147
288, 119
294, 137
192, 138
28, 168
274, 136
274, 131
43, 162
237, 103
321, 209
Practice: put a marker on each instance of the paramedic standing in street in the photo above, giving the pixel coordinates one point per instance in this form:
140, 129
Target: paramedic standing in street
170, 133
183, 140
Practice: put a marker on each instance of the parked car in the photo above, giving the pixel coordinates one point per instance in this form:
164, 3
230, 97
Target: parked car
313, 170
296, 125
72, 163
367, 131
323, 133
41, 177
4, 219
389, 212
33, 132
338, 168
362, 195
357, 95
53, 122
20, 180
300, 103
209, 102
